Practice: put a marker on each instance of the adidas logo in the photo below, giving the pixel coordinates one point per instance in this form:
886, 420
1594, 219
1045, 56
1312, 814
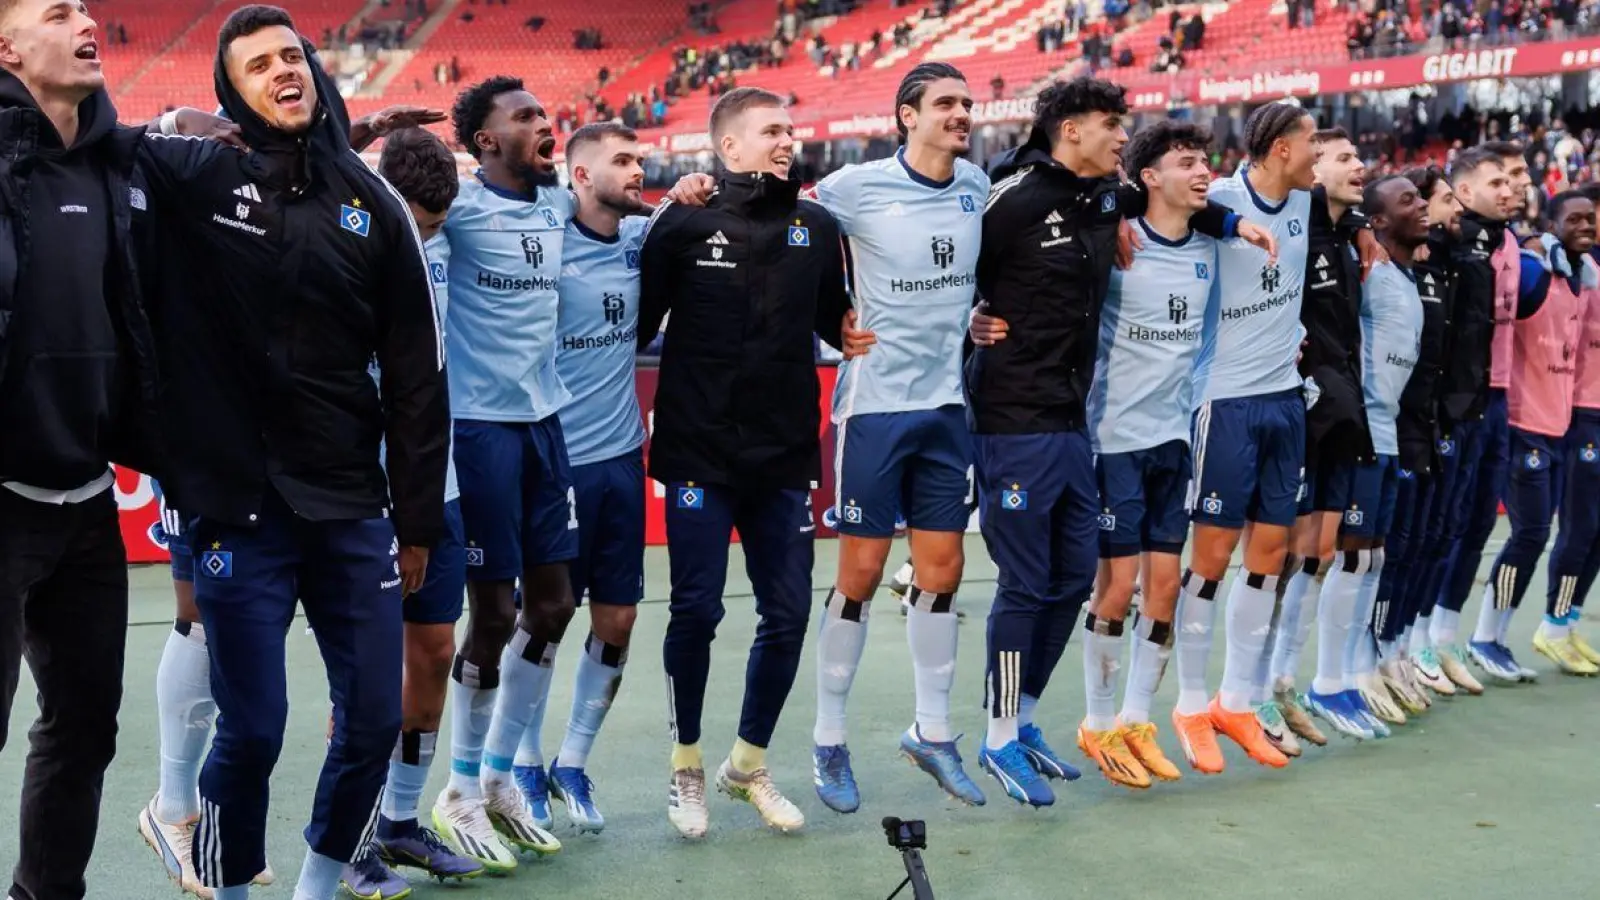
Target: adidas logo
718, 239
248, 192
1322, 261
1427, 279
1054, 218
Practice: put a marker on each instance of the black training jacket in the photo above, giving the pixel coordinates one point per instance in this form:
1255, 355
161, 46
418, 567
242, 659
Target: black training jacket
1336, 424
1464, 386
746, 279
1049, 242
25, 134
1418, 424
284, 273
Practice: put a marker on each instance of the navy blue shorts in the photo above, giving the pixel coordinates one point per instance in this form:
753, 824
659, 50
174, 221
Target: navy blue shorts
1325, 488
917, 464
1142, 500
1249, 460
181, 549
518, 508
610, 563
444, 590
1369, 489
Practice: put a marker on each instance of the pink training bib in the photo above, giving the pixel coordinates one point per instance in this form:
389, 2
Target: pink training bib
1539, 397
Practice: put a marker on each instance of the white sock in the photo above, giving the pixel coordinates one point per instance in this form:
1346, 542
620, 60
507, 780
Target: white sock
1360, 653
599, 677
841, 639
1002, 731
1300, 598
1102, 660
471, 709
185, 710
1249, 615
1402, 642
1336, 611
1197, 612
408, 775
1500, 582
1151, 648
1555, 631
1444, 626
1421, 635
1387, 650
933, 631
1027, 704
319, 877
1502, 625
518, 708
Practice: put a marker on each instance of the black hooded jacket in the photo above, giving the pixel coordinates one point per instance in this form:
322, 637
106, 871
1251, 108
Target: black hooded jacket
1049, 242
1336, 424
284, 272
746, 280
78, 377
1418, 424
1464, 385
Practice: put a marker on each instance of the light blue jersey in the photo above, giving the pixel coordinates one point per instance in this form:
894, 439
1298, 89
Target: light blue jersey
438, 252
913, 264
596, 340
1254, 346
1151, 330
505, 264
1391, 339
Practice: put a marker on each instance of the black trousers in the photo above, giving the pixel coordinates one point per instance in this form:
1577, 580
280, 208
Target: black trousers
64, 608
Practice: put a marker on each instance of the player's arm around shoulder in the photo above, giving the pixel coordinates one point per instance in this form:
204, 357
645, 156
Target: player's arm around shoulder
833, 300
658, 266
174, 166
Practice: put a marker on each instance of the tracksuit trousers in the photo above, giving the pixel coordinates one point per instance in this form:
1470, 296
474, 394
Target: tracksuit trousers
346, 575
778, 535
1575, 561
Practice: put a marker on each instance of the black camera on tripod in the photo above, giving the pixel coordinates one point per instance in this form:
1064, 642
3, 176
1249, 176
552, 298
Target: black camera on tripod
910, 838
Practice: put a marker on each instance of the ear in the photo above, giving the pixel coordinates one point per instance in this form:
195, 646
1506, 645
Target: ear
727, 145
486, 142
8, 52
907, 115
1069, 130
1149, 178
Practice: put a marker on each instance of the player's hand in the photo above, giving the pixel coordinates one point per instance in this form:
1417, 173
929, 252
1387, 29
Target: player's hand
1128, 243
857, 341
413, 569
395, 118
1259, 237
694, 189
986, 330
1420, 254
1372, 252
191, 122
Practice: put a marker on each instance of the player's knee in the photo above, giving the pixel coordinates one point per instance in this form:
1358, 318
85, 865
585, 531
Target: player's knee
940, 571
487, 631
613, 624
860, 575
370, 732
1532, 537
255, 745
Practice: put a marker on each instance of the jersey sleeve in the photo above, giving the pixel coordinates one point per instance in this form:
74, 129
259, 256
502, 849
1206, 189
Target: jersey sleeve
416, 396
833, 301
169, 165
839, 194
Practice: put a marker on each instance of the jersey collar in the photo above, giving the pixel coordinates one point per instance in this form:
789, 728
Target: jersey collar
920, 178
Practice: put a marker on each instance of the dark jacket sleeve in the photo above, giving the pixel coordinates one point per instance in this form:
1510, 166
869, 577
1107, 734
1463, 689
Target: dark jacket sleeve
656, 273
168, 164
833, 300
416, 394
1003, 218
1216, 221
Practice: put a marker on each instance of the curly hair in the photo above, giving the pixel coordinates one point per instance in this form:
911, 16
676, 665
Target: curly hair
915, 85
473, 106
1153, 142
1269, 124
421, 168
1426, 179
1064, 100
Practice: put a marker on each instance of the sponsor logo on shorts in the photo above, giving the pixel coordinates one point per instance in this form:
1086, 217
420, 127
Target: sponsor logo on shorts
852, 513
474, 556
1354, 517
1447, 447
691, 497
1211, 506
1108, 522
1533, 460
217, 562
1589, 454
1014, 499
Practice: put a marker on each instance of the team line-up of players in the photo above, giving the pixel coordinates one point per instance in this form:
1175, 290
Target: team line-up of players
1329, 369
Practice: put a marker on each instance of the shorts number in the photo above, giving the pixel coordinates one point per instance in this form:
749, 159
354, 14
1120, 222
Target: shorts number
572, 509
972, 487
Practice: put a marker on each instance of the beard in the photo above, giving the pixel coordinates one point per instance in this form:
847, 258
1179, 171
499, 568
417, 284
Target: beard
621, 203
537, 178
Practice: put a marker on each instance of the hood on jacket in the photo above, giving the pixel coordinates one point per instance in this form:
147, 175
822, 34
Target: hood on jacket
25, 130
328, 135
1034, 151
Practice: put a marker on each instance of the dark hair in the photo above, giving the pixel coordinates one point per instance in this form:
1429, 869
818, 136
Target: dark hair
1269, 123
1552, 210
1329, 135
915, 84
1426, 178
1153, 142
1371, 199
421, 168
1502, 149
597, 132
247, 20
1471, 160
734, 103
1064, 100
473, 106
1591, 190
